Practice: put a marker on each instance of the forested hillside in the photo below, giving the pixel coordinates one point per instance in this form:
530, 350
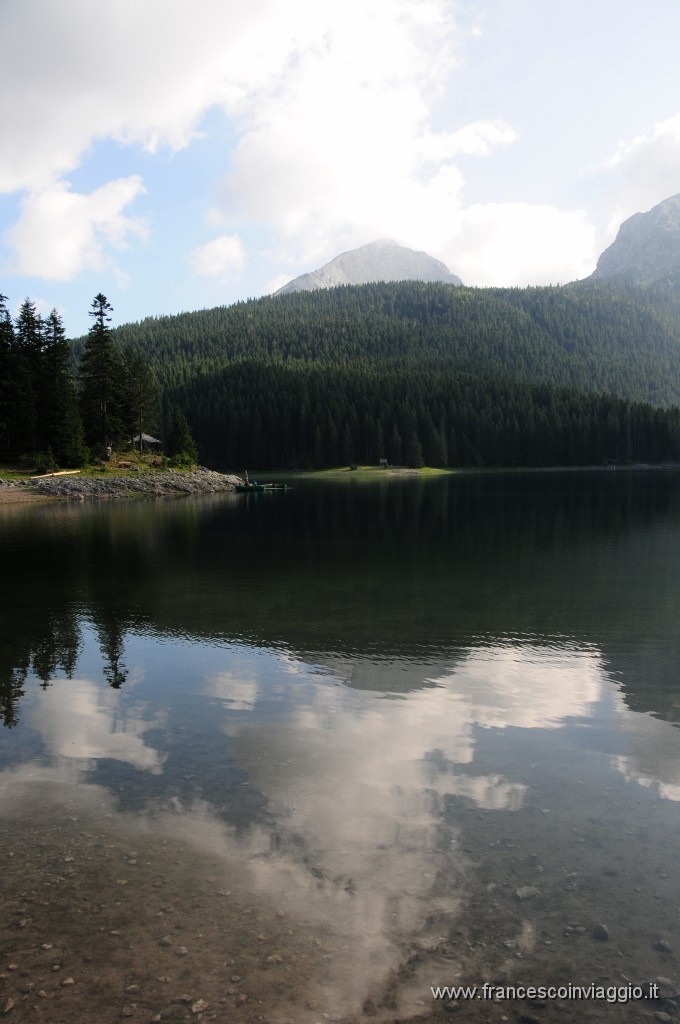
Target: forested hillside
589, 336
417, 372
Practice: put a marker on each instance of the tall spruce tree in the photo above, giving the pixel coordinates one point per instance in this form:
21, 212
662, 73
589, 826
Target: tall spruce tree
60, 413
6, 382
101, 381
26, 377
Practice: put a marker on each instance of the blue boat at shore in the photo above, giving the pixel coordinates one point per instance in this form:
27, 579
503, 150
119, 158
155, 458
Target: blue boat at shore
253, 485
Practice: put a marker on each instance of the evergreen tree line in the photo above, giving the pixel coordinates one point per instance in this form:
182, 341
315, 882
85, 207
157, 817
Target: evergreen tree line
39, 408
409, 372
282, 417
53, 417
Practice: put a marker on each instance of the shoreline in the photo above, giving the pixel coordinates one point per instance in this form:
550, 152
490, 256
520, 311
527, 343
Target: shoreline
169, 483
13, 495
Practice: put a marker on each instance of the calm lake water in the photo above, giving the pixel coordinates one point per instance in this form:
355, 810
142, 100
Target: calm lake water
302, 756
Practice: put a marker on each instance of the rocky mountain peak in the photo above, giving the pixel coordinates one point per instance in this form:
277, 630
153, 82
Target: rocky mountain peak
646, 248
382, 260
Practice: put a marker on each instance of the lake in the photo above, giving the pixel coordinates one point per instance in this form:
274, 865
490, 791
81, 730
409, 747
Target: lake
305, 756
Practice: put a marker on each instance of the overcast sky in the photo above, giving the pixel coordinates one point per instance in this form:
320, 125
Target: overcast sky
178, 154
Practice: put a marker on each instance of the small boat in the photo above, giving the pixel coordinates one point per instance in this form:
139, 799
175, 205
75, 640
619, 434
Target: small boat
253, 485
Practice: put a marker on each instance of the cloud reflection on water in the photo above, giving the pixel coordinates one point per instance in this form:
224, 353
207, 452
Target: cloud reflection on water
357, 784
653, 759
356, 843
80, 720
235, 693
526, 686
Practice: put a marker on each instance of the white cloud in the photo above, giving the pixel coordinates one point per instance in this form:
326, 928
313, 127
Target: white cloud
222, 257
665, 140
275, 283
140, 73
340, 149
644, 171
61, 232
515, 243
180, 59
477, 139
332, 107
331, 104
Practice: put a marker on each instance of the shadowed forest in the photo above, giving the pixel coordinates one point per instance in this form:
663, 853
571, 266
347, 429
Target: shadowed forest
413, 373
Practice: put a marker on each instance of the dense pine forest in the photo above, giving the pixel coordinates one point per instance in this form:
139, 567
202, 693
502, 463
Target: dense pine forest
410, 372
51, 416
588, 336
425, 373
39, 409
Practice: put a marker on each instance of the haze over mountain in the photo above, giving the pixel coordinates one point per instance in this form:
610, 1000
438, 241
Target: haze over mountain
382, 260
647, 247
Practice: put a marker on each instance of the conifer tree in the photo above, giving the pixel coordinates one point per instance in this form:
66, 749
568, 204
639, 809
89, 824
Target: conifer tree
62, 425
141, 404
101, 380
394, 450
413, 452
25, 370
6, 382
181, 443
29, 331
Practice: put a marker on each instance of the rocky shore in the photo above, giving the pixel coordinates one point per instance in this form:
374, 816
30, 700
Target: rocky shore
151, 485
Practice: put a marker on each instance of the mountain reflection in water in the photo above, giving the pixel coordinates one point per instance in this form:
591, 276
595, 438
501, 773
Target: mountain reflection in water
416, 730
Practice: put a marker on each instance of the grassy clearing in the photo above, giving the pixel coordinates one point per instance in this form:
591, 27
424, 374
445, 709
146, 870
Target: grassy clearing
123, 463
372, 473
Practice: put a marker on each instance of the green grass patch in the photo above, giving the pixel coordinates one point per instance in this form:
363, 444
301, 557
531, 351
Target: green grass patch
372, 472
121, 463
